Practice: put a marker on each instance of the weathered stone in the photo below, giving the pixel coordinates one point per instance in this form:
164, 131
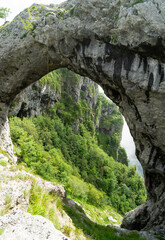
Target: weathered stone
16, 185
50, 188
5, 140
37, 99
15, 193
24, 226
34, 101
117, 44
14, 202
140, 218
145, 234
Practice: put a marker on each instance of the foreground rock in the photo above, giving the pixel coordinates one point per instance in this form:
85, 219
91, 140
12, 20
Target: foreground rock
16, 185
137, 219
24, 226
16, 223
118, 44
15, 188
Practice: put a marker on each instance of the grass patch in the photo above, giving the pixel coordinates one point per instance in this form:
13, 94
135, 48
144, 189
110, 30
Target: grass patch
4, 153
138, 1
3, 163
100, 215
2, 230
50, 206
42, 203
160, 238
8, 199
7, 207
67, 230
93, 230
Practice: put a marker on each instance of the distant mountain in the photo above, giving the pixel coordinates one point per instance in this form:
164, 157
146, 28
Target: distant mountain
64, 86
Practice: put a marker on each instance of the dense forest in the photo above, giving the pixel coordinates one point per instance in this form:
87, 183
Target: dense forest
77, 143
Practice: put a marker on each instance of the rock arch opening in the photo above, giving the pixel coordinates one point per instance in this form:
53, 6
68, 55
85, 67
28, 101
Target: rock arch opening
80, 36
129, 145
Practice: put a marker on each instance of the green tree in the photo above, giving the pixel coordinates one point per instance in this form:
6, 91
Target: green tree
122, 156
50, 145
4, 12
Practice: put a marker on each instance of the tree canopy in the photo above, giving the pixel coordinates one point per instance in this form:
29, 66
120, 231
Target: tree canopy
4, 12
49, 145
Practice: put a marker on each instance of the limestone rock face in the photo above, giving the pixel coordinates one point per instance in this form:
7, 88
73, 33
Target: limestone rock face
89, 92
13, 193
33, 101
103, 128
37, 99
15, 186
5, 140
50, 188
118, 44
140, 218
24, 226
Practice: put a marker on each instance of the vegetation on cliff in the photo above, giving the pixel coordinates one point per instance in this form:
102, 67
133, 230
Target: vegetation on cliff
50, 146
77, 220
109, 131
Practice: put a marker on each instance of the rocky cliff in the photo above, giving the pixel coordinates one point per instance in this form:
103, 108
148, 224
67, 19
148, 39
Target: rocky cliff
109, 128
118, 44
15, 222
40, 97
23, 198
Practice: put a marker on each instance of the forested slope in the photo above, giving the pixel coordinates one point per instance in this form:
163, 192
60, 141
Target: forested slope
76, 141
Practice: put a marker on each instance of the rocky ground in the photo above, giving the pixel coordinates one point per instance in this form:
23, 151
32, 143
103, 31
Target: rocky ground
16, 223
21, 225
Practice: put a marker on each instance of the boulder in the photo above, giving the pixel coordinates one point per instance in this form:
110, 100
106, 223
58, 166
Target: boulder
24, 226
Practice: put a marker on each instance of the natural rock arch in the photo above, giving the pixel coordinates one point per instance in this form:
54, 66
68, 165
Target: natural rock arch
117, 44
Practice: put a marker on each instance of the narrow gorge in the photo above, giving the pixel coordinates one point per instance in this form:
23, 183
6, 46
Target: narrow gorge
118, 44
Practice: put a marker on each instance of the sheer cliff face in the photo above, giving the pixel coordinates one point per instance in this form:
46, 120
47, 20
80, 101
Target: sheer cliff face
117, 44
38, 99
33, 101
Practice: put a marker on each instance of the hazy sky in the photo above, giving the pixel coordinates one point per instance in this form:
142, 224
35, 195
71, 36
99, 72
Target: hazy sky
127, 141
16, 6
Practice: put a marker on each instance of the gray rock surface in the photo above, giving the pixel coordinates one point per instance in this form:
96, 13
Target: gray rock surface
38, 99
33, 101
50, 188
5, 140
23, 226
146, 235
13, 192
118, 44
15, 186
